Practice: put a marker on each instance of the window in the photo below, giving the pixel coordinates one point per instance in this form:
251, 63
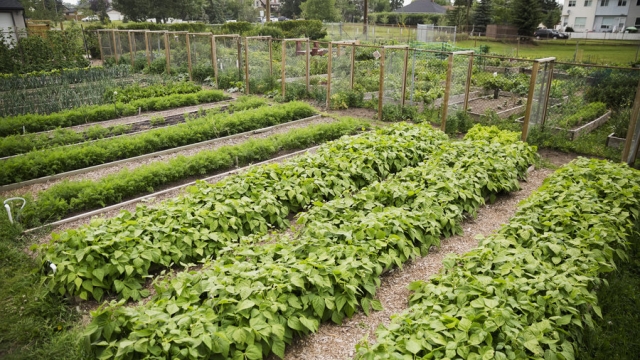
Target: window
588, 3
604, 2
637, 22
607, 24
622, 2
572, 3
579, 23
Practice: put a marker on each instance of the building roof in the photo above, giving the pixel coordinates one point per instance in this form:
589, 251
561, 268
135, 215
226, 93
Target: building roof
423, 6
10, 5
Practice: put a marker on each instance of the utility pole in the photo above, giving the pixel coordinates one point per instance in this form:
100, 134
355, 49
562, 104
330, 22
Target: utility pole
268, 13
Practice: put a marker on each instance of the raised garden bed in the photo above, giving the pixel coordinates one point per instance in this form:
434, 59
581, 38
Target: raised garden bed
573, 134
615, 142
505, 105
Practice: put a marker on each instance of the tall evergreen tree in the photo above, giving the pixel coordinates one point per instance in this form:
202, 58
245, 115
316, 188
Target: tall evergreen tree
291, 8
482, 15
526, 16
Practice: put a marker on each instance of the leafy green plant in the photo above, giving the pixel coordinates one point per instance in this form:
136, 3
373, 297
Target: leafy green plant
584, 115
554, 247
36, 164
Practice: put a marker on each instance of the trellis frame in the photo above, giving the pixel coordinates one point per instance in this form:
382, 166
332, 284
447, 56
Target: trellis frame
283, 62
404, 75
532, 86
246, 58
214, 54
447, 90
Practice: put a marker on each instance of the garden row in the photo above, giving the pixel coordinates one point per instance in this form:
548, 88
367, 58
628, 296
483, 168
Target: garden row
123, 102
116, 255
71, 197
36, 79
258, 294
46, 162
529, 290
14, 145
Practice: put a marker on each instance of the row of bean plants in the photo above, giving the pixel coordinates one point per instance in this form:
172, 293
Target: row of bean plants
256, 296
116, 255
135, 91
74, 196
95, 113
58, 160
528, 291
56, 77
20, 144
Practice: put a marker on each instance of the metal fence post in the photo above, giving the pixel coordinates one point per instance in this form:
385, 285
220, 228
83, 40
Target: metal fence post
447, 90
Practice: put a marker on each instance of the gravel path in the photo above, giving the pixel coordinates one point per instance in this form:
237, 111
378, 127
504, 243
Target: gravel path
337, 342
33, 189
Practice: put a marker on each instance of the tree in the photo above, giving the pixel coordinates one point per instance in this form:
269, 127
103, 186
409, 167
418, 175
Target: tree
214, 11
291, 8
380, 5
526, 16
320, 10
443, 2
482, 15
396, 4
43, 9
552, 18
501, 12
99, 7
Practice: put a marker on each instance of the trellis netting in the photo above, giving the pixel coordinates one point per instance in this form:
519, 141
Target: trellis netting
123, 46
229, 60
366, 74
107, 47
139, 48
295, 68
157, 52
426, 80
178, 50
460, 72
394, 76
201, 57
259, 71
341, 67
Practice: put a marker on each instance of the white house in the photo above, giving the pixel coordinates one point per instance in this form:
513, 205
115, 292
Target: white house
12, 22
597, 15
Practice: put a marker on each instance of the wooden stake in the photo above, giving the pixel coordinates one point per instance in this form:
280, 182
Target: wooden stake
353, 64
467, 84
239, 61
527, 113
131, 52
329, 63
146, 48
381, 86
167, 52
447, 90
115, 46
189, 55
246, 65
214, 60
404, 74
100, 46
270, 59
308, 55
283, 67
547, 93
632, 127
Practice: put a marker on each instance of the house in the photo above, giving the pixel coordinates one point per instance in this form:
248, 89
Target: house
12, 22
114, 15
599, 15
422, 6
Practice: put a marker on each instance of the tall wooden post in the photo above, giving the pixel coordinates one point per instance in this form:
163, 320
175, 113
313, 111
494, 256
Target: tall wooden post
381, 88
189, 55
329, 63
214, 60
246, 65
308, 58
404, 74
353, 64
283, 67
547, 93
100, 46
131, 52
633, 123
467, 84
447, 91
167, 52
239, 61
115, 46
527, 112
146, 48
270, 58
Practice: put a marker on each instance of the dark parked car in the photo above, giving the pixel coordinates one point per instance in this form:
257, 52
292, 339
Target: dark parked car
549, 34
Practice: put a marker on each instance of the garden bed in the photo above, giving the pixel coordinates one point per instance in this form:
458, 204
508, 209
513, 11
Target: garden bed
615, 142
505, 105
575, 133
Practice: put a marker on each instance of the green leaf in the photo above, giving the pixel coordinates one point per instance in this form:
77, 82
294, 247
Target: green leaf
413, 346
245, 304
253, 352
278, 348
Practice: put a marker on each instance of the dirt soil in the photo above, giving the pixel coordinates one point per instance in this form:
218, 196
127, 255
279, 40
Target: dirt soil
337, 342
481, 105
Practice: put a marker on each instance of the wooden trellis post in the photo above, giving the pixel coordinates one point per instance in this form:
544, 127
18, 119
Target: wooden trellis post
404, 74
447, 90
353, 63
527, 112
381, 88
308, 60
100, 46
115, 46
214, 60
630, 150
131, 48
167, 52
246, 65
239, 62
146, 48
547, 92
283, 67
329, 61
270, 58
189, 55
467, 84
